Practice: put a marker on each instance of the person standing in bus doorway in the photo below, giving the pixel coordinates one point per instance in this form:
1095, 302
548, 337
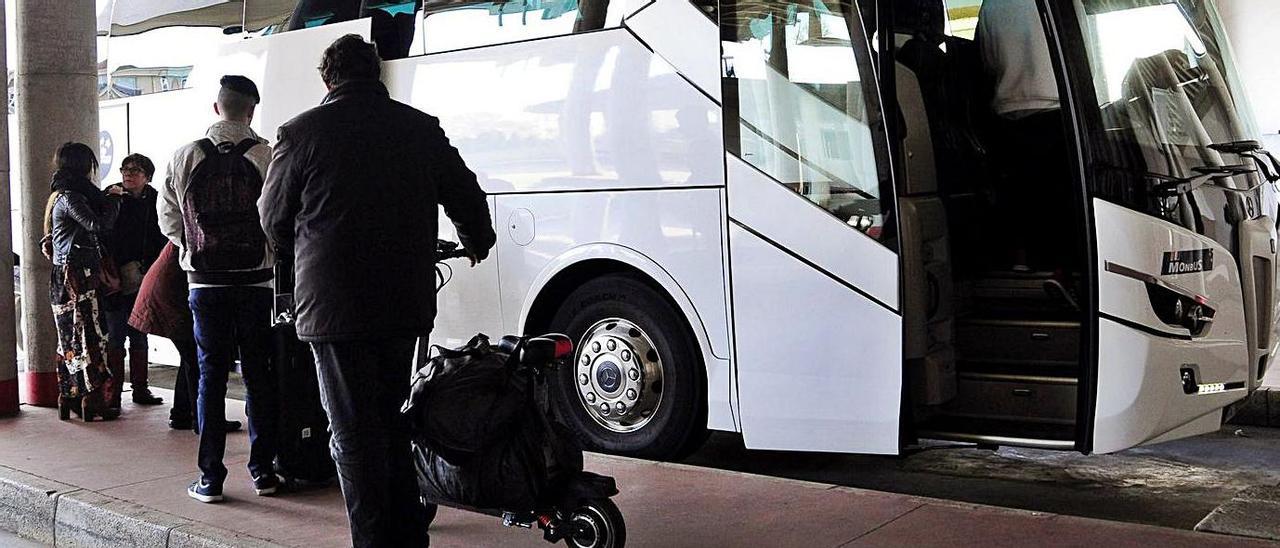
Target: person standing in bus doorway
1030, 140
353, 194
208, 208
134, 242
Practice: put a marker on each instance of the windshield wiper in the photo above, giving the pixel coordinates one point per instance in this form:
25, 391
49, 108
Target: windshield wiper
1168, 185
1263, 158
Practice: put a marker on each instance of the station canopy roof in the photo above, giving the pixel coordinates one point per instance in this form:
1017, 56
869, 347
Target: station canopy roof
125, 17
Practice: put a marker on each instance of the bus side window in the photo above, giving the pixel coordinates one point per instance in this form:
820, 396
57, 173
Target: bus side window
797, 109
395, 26
452, 25
274, 17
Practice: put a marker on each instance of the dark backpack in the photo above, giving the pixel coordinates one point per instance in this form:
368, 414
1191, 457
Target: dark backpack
220, 210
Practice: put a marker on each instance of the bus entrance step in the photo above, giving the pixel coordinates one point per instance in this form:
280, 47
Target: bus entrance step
998, 432
1047, 342
1014, 293
1014, 398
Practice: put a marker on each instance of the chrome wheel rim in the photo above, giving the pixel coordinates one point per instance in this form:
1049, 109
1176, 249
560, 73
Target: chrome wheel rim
618, 374
593, 528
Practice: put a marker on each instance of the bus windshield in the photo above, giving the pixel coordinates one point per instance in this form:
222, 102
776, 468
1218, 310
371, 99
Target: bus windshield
1166, 89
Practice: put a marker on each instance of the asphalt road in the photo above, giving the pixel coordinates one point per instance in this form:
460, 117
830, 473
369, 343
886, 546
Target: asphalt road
1174, 484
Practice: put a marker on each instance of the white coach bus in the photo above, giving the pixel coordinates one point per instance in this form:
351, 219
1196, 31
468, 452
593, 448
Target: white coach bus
802, 220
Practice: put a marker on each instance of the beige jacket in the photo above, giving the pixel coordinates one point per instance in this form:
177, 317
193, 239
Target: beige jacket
177, 177
1015, 53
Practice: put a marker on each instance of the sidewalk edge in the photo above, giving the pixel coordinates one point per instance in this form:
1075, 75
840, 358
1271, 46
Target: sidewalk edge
28, 504
50, 512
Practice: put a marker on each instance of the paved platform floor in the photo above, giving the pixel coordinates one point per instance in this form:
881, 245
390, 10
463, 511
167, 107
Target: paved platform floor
1173, 484
138, 462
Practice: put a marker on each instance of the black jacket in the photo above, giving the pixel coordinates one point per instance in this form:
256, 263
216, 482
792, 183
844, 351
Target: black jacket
136, 234
79, 215
353, 193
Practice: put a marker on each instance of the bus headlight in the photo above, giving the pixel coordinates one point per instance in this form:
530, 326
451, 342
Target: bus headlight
1173, 308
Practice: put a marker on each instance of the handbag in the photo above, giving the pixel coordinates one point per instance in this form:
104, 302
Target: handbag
108, 274
131, 277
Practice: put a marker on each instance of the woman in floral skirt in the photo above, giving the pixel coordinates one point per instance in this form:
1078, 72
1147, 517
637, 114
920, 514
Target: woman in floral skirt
77, 213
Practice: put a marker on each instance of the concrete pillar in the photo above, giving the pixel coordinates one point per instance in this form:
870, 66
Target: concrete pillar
57, 102
8, 333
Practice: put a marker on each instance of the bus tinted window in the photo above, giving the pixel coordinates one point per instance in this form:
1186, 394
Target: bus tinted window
801, 112
395, 25
274, 17
450, 24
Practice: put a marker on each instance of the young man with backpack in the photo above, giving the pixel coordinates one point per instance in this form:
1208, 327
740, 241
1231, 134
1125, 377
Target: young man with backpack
208, 209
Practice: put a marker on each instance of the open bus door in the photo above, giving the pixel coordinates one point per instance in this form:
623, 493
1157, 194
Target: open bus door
817, 332
1183, 250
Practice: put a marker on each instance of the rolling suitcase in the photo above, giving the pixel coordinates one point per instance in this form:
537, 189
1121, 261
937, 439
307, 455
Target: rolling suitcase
302, 454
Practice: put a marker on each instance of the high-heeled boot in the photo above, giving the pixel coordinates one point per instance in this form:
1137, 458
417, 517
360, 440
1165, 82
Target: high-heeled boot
68, 405
115, 386
96, 404
138, 377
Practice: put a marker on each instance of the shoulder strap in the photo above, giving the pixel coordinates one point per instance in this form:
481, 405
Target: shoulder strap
208, 147
48, 211
244, 147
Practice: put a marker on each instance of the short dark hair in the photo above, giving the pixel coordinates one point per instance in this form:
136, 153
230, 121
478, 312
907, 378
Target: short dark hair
141, 162
350, 58
237, 96
76, 159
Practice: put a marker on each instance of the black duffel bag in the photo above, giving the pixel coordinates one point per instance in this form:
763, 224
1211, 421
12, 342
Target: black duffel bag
480, 437
464, 399
530, 469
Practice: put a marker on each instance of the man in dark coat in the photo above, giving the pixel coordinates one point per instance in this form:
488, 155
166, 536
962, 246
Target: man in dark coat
352, 194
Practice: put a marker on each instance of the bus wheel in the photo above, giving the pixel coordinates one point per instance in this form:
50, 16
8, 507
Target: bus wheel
636, 385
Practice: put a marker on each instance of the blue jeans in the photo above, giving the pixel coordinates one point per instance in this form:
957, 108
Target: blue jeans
117, 311
118, 329
233, 322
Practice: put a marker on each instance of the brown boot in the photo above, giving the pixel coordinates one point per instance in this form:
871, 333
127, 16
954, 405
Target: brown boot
68, 405
138, 364
114, 388
94, 405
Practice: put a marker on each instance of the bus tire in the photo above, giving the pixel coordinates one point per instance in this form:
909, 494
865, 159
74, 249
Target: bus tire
637, 385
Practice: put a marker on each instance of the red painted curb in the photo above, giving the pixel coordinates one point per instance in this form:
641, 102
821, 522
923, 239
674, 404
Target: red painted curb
8, 397
40, 388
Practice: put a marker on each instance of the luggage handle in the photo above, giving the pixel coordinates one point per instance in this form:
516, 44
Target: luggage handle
424, 351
